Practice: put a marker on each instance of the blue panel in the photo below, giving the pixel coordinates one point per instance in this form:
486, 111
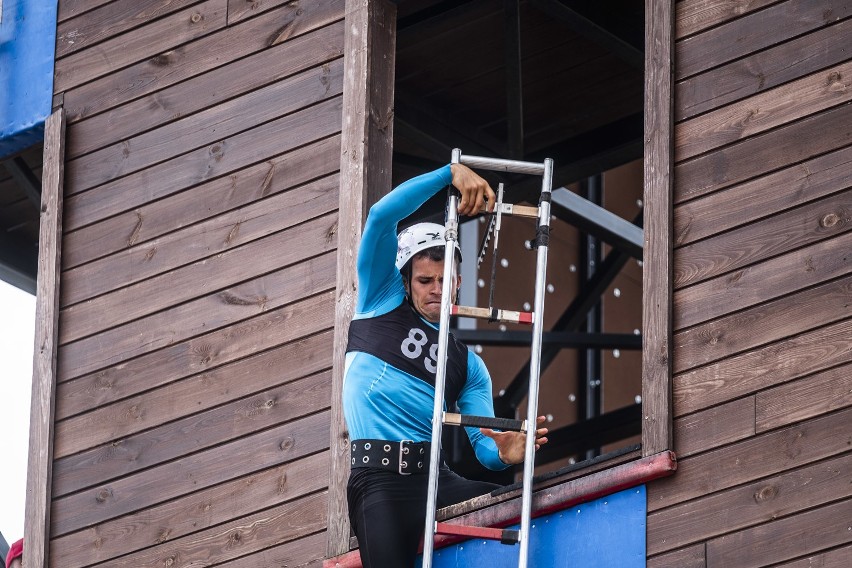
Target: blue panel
606, 533
27, 47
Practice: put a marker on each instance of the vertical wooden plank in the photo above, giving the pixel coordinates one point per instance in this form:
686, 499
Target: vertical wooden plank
39, 467
365, 175
657, 258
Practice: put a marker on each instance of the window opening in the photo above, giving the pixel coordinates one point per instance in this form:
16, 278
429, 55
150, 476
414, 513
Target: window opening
531, 80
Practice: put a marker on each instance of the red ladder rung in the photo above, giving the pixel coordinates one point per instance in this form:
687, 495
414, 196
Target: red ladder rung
505, 536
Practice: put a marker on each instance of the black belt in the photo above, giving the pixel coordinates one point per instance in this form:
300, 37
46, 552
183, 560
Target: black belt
405, 457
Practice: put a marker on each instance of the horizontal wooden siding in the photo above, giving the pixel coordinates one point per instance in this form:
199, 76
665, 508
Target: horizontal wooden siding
198, 274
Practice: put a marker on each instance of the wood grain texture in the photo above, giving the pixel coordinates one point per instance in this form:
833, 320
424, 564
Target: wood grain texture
197, 511
134, 452
42, 405
243, 536
208, 89
365, 175
764, 70
692, 16
758, 198
70, 8
281, 444
750, 460
219, 122
689, 557
222, 303
760, 368
217, 159
109, 20
805, 533
772, 321
240, 9
168, 67
85, 357
151, 220
140, 44
764, 111
764, 153
805, 398
204, 366
750, 244
657, 253
714, 427
191, 432
753, 32
837, 558
304, 552
240, 229
762, 282
749, 505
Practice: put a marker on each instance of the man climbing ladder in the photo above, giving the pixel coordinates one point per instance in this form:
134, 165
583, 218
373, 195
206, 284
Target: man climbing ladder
389, 380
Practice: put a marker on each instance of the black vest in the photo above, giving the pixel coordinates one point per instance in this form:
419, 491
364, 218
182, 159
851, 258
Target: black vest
403, 340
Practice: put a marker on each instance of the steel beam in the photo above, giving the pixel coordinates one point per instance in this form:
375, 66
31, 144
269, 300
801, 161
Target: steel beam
25, 178
598, 222
593, 31
558, 339
570, 320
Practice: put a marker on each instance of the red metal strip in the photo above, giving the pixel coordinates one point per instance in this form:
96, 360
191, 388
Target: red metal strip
551, 499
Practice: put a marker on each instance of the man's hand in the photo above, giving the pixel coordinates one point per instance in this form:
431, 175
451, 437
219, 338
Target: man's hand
475, 191
510, 445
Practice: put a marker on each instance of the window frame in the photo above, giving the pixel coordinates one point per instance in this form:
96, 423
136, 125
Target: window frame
366, 154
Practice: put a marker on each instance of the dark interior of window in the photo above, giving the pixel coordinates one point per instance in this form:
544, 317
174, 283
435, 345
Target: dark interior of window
530, 80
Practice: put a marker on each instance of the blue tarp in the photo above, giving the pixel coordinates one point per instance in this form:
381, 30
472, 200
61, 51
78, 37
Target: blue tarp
27, 48
606, 533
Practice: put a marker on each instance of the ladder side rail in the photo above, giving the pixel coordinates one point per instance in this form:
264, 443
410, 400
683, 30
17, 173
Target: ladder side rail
501, 165
440, 376
538, 327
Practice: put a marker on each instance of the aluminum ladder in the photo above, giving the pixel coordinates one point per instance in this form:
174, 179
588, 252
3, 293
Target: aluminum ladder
439, 417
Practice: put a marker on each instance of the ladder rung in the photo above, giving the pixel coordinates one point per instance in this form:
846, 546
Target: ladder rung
493, 314
505, 536
515, 210
485, 422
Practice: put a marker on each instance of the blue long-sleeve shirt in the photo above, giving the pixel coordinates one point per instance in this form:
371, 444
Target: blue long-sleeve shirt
379, 400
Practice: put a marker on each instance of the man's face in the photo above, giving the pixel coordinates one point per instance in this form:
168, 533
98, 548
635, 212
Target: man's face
16, 563
427, 279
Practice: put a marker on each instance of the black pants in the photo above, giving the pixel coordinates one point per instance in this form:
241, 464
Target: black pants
388, 511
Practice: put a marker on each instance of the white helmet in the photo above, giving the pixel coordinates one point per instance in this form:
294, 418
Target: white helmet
417, 238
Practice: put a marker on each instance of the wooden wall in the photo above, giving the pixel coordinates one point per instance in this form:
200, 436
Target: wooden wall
763, 293
197, 283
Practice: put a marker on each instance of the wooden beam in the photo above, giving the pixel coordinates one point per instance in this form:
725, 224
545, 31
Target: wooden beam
657, 275
365, 175
40, 466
